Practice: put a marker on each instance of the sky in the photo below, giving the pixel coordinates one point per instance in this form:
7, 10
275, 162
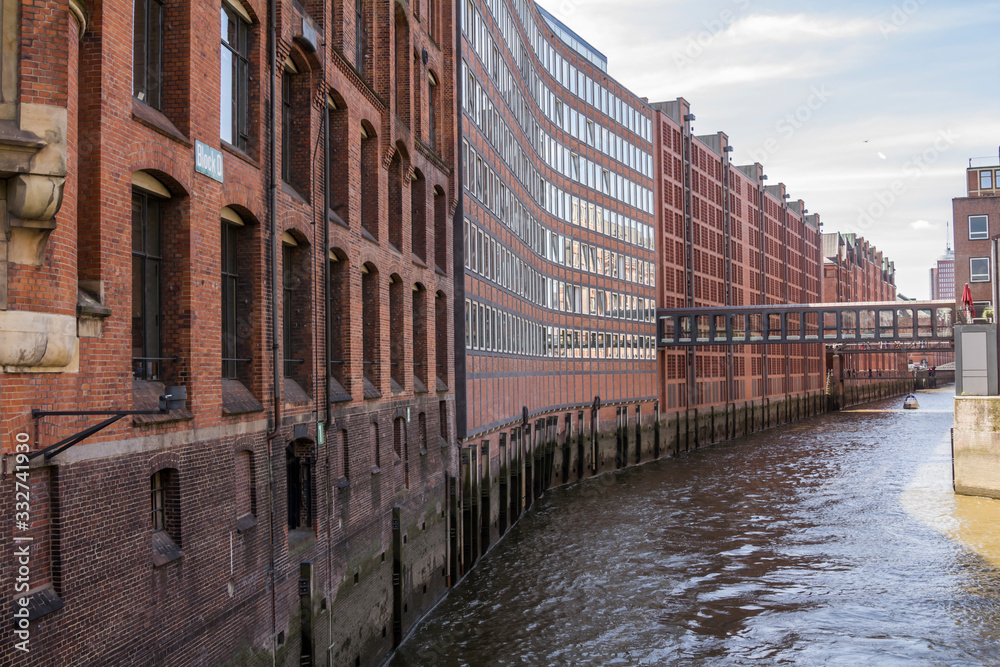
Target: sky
868, 111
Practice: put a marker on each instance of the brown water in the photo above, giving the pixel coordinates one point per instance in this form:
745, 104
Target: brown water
791, 546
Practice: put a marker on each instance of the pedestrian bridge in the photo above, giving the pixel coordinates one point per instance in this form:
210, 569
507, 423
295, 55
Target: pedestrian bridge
828, 323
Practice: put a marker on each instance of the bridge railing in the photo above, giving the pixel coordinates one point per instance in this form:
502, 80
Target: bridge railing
807, 323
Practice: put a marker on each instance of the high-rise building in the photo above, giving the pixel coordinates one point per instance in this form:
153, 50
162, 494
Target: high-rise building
943, 276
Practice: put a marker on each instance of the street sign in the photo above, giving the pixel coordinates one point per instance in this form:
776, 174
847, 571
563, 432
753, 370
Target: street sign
208, 161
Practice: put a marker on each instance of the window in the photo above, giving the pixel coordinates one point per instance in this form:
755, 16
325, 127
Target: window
441, 231
298, 478
370, 327
158, 501
286, 126
979, 268
418, 219
146, 316
235, 79
397, 173
979, 227
401, 448
288, 297
230, 281
147, 54
397, 334
340, 319
296, 307
164, 515
986, 180
346, 453
432, 107
419, 312
246, 500
376, 448
360, 38
369, 181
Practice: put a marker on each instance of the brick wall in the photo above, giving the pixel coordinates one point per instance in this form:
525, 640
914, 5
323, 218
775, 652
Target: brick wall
218, 602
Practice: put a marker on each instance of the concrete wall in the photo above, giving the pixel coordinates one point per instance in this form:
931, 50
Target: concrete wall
976, 446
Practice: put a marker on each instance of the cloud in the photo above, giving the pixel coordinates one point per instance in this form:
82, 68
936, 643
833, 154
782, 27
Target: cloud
919, 225
795, 29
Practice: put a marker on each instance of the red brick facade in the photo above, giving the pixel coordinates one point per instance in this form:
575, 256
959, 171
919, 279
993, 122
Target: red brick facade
247, 488
976, 222
725, 238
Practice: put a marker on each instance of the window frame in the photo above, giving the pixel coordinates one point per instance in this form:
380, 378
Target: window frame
151, 322
286, 125
238, 95
984, 276
983, 235
151, 73
158, 501
229, 256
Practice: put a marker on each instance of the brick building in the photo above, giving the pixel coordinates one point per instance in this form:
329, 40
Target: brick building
855, 271
558, 259
400, 276
726, 238
272, 209
977, 223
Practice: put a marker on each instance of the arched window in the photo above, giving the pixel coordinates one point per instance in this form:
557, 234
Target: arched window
433, 104
165, 515
299, 487
338, 177
371, 329
402, 448
295, 310
340, 326
237, 250
235, 76
441, 339
376, 446
146, 275
441, 230
345, 451
420, 363
418, 220
362, 30
246, 496
296, 110
368, 208
397, 172
397, 334
402, 58
149, 18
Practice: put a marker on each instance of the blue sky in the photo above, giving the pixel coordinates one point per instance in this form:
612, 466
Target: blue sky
868, 111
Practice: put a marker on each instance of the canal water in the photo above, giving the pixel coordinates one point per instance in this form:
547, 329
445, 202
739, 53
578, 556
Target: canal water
835, 541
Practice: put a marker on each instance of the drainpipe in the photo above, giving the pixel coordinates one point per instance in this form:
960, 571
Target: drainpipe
325, 217
994, 283
276, 373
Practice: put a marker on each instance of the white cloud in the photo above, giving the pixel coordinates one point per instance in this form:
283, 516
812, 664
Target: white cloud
918, 225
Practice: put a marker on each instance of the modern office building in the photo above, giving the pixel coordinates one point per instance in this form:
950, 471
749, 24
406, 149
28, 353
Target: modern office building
977, 222
557, 332
271, 238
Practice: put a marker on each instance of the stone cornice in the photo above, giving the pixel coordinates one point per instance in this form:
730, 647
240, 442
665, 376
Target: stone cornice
78, 9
